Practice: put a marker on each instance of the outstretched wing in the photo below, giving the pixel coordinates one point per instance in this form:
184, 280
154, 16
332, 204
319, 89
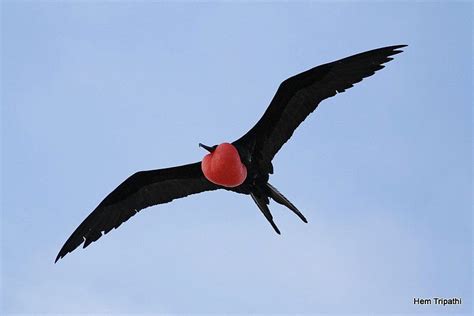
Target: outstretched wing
141, 190
299, 95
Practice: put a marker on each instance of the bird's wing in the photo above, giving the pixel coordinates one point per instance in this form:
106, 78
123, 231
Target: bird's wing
141, 190
299, 95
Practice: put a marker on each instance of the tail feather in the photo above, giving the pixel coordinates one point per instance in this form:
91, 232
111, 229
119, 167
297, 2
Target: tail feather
262, 205
279, 198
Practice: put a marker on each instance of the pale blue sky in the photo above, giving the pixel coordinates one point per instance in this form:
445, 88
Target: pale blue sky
94, 91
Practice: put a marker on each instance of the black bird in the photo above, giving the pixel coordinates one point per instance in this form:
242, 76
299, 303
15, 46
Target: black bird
243, 166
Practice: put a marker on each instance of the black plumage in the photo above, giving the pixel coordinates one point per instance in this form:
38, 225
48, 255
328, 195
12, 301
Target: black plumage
295, 99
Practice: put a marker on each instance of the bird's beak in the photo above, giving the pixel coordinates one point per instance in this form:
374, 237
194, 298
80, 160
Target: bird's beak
209, 149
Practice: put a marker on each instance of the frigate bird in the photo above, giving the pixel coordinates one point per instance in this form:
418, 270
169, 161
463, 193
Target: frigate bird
242, 166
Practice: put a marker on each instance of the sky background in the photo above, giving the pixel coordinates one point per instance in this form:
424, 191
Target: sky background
94, 91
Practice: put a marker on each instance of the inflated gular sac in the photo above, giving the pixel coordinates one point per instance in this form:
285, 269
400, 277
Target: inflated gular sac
224, 167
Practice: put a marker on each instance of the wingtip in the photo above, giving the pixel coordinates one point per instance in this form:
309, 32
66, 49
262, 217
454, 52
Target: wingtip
386, 52
62, 253
396, 49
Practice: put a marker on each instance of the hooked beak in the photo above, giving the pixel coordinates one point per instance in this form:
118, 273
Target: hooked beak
209, 149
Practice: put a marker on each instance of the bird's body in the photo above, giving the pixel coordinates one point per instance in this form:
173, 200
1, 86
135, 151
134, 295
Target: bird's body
243, 166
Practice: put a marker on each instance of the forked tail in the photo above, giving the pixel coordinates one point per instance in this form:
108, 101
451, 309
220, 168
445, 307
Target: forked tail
261, 198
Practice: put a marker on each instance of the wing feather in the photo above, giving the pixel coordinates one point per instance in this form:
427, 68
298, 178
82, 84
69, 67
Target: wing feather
298, 96
139, 191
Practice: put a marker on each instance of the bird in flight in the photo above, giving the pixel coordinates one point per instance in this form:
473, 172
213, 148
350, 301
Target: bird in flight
243, 166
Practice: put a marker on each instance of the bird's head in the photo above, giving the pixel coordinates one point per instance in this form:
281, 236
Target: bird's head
208, 148
223, 165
